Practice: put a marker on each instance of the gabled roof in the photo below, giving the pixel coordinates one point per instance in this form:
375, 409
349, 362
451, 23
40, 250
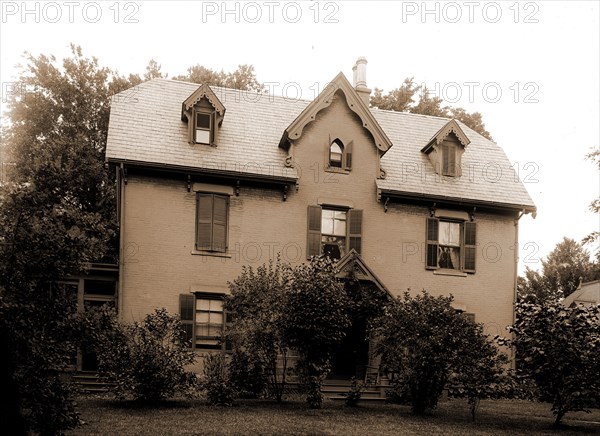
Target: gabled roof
586, 294
203, 91
323, 100
352, 262
145, 129
450, 127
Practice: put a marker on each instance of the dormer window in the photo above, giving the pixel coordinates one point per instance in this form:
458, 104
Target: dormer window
445, 149
336, 153
204, 129
204, 114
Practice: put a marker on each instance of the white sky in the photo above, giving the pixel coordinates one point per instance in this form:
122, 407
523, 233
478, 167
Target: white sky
543, 57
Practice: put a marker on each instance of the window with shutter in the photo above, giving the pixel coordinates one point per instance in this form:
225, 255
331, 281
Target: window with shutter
449, 151
212, 212
203, 318
333, 231
450, 245
340, 155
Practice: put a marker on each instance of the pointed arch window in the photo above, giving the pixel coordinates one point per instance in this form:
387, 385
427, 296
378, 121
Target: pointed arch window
336, 154
340, 155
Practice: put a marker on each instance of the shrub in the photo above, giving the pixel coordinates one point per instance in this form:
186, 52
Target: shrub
216, 384
559, 348
425, 343
145, 361
355, 393
247, 375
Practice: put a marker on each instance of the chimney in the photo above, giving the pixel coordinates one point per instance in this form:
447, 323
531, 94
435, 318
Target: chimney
360, 79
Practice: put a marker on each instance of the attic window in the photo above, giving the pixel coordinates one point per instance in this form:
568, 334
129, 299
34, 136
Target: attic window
336, 153
204, 128
449, 159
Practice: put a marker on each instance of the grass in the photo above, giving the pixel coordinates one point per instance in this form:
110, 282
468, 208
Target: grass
106, 417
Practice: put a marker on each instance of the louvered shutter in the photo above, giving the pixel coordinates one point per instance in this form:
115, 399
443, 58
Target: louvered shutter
205, 219
313, 245
431, 262
349, 156
355, 230
219, 227
186, 314
469, 245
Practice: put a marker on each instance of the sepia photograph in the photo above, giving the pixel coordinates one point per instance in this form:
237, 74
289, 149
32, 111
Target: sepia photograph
299, 217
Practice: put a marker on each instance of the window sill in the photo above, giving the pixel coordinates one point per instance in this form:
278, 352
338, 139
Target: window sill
210, 254
336, 170
449, 272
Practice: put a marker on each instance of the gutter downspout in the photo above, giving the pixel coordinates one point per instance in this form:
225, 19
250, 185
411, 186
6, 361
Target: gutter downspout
516, 263
121, 200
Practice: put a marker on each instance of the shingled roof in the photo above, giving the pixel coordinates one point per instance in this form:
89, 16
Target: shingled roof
146, 129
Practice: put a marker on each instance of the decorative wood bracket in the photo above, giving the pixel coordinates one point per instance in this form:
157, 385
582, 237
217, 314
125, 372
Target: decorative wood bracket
125, 175
285, 192
237, 188
297, 186
472, 214
385, 205
432, 210
189, 183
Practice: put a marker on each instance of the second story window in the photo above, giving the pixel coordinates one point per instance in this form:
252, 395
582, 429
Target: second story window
212, 214
333, 232
451, 244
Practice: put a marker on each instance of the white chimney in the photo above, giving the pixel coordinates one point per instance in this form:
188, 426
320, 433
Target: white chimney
360, 79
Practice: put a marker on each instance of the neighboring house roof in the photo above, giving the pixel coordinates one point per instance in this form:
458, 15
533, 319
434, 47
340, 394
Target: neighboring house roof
146, 128
587, 294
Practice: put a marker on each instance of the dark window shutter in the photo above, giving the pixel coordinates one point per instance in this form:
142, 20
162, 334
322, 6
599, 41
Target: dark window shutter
431, 261
219, 227
186, 314
313, 246
448, 159
204, 230
355, 229
348, 156
470, 247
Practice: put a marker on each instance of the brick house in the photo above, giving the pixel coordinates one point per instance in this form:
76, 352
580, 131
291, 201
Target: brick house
210, 179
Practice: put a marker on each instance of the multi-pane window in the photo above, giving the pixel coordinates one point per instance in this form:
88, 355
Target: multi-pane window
212, 216
333, 231
451, 244
203, 318
203, 129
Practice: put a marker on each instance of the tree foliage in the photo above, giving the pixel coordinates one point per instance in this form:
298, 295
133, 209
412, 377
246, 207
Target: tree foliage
594, 157
145, 360
317, 318
257, 301
426, 343
559, 348
563, 270
417, 99
56, 215
243, 78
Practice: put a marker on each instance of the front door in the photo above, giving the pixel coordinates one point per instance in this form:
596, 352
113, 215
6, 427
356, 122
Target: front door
352, 355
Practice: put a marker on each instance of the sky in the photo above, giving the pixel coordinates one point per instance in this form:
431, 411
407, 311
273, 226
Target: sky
531, 68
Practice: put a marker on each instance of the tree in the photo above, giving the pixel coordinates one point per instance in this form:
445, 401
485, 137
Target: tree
425, 342
402, 99
563, 270
399, 99
56, 215
317, 317
243, 78
153, 71
258, 301
594, 156
559, 348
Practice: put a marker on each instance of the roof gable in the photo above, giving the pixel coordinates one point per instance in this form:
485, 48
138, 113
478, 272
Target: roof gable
353, 263
203, 92
450, 127
324, 100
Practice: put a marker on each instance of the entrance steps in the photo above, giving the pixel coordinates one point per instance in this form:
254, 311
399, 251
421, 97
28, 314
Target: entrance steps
337, 390
90, 382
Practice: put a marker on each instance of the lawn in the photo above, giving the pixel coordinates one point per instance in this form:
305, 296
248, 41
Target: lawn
106, 417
